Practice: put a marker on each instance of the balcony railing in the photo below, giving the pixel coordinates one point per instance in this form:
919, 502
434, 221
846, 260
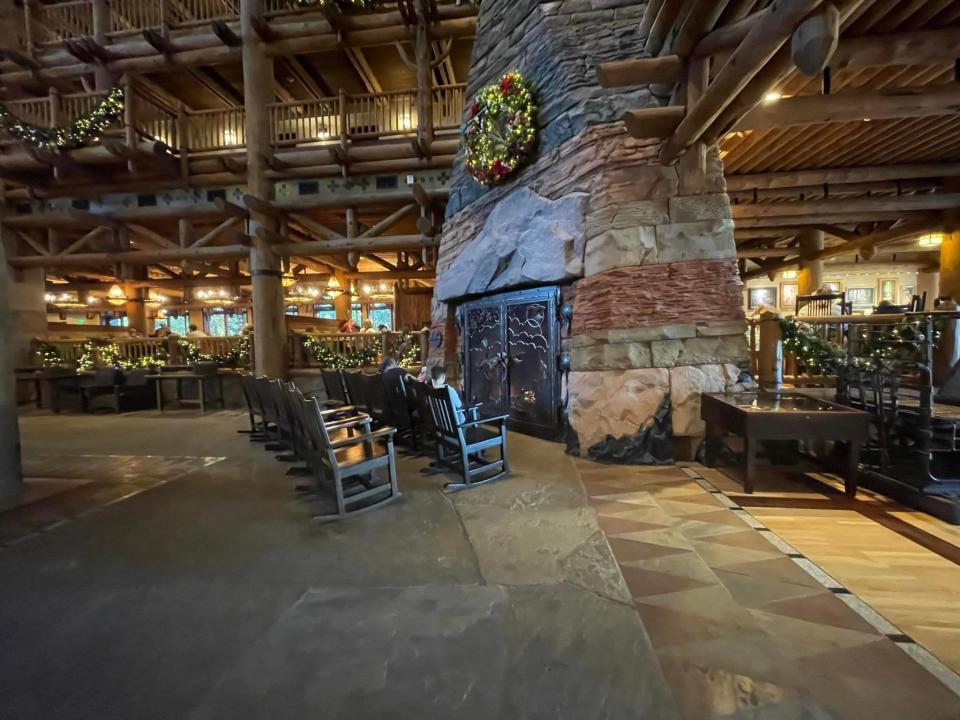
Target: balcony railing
293, 123
55, 22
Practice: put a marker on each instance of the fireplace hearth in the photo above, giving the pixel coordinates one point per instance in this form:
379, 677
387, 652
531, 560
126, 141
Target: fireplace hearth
511, 358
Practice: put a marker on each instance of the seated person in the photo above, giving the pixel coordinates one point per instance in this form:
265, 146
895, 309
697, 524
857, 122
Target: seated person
368, 326
392, 372
349, 326
195, 333
438, 378
814, 308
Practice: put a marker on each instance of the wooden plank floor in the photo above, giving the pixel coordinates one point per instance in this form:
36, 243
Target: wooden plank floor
903, 563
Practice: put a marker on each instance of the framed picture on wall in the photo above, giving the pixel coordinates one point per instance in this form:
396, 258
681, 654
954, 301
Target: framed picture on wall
906, 294
861, 297
888, 290
761, 296
788, 296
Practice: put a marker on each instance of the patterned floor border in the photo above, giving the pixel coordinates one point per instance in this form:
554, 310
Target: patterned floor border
922, 656
93, 509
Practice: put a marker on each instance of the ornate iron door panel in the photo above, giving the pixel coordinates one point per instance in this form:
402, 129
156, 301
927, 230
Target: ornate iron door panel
511, 358
485, 379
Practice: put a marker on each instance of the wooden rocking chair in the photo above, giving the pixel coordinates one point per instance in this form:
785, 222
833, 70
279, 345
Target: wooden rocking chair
349, 462
461, 442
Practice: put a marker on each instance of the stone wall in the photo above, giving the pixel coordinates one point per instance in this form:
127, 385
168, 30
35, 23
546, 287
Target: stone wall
647, 249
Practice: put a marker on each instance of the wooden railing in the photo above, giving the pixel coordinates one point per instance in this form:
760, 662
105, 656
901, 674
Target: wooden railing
64, 20
134, 349
386, 344
215, 129
448, 104
291, 123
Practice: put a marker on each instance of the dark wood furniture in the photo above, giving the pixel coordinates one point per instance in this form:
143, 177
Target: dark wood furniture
756, 417
462, 439
823, 305
346, 455
201, 379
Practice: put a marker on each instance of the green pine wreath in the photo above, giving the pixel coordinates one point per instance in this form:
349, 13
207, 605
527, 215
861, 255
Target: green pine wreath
501, 132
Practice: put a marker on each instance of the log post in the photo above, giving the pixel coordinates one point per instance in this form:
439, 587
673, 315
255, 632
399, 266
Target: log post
11, 473
101, 26
424, 78
28, 26
770, 352
269, 327
811, 266
129, 119
344, 133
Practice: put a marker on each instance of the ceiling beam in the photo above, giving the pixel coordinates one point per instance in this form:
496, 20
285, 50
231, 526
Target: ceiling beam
852, 106
822, 176
828, 206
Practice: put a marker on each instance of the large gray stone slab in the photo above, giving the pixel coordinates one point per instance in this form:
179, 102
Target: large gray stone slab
526, 239
432, 653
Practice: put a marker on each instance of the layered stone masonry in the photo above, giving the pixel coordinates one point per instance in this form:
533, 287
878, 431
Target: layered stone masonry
657, 303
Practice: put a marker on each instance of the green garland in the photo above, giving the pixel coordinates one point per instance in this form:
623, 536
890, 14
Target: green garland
882, 351
410, 351
102, 353
321, 353
87, 127
501, 132
49, 355
816, 353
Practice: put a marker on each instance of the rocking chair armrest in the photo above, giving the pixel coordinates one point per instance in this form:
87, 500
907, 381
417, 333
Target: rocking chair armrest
350, 422
386, 432
341, 409
497, 420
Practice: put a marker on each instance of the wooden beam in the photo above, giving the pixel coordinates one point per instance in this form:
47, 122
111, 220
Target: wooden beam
906, 203
389, 221
762, 42
866, 244
920, 47
315, 228
816, 219
152, 235
134, 257
815, 41
654, 122
853, 106
362, 245
800, 178
641, 71
230, 222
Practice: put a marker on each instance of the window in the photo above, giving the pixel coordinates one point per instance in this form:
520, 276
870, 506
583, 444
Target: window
222, 323
293, 310
109, 319
325, 312
357, 314
381, 314
180, 324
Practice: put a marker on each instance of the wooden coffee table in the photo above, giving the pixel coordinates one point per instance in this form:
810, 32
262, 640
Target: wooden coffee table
782, 416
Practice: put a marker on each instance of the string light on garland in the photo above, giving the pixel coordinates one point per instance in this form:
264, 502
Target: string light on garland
339, 4
327, 358
86, 128
501, 132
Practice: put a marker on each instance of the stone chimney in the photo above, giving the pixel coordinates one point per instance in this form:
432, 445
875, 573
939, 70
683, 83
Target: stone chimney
645, 251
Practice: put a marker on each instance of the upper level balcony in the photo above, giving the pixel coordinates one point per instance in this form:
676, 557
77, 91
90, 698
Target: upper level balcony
313, 137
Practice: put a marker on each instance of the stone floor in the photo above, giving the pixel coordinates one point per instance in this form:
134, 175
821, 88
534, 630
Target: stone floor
161, 567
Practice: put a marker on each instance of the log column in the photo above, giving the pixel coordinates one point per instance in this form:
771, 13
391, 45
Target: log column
101, 26
950, 265
928, 281
269, 326
11, 473
811, 269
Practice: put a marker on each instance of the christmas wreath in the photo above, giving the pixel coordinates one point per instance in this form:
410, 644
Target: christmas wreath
501, 131
85, 128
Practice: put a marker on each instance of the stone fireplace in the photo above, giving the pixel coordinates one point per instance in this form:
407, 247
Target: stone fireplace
643, 253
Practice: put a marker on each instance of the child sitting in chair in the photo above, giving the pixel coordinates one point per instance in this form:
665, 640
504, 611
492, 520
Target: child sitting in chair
438, 378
